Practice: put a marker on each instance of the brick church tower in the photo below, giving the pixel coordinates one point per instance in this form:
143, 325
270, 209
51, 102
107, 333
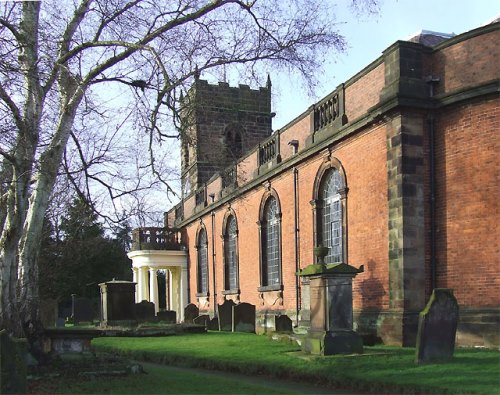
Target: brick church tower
221, 125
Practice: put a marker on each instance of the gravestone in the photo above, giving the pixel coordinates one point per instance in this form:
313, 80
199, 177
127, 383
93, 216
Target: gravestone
282, 323
226, 315
191, 311
202, 320
437, 327
13, 355
82, 310
169, 316
145, 311
48, 312
244, 318
60, 322
213, 324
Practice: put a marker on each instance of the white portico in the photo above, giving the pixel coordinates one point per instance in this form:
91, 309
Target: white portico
147, 259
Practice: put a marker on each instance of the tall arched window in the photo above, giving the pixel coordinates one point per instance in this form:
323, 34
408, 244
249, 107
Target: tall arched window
331, 216
231, 254
270, 253
202, 264
234, 145
329, 205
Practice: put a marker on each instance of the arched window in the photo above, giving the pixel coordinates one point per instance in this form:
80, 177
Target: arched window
270, 250
231, 254
233, 141
202, 264
329, 205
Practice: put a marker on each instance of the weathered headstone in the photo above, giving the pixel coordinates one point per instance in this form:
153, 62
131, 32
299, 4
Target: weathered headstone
226, 315
213, 324
282, 323
202, 320
13, 353
48, 312
145, 311
83, 310
244, 318
191, 311
437, 327
169, 316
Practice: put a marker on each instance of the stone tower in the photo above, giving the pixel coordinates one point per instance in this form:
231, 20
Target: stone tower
221, 125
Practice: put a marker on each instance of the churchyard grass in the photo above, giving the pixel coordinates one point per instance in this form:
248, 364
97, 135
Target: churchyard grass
157, 379
380, 369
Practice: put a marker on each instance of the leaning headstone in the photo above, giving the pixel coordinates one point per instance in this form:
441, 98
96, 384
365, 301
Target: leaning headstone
48, 312
226, 315
213, 324
169, 316
191, 311
202, 320
437, 327
83, 310
283, 323
145, 311
13, 356
244, 318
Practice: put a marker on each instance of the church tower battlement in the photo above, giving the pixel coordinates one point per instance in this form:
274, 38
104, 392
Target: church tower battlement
221, 124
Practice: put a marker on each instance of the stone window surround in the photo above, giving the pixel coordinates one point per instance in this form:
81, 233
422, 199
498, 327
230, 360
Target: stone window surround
270, 192
230, 291
197, 246
329, 162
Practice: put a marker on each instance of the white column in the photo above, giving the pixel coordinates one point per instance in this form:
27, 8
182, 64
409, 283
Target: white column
174, 291
153, 289
168, 290
183, 292
142, 278
134, 279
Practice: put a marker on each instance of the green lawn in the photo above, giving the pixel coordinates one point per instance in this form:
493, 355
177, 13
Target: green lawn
380, 369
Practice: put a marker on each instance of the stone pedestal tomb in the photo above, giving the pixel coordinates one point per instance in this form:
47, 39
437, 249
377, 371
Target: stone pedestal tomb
331, 310
117, 302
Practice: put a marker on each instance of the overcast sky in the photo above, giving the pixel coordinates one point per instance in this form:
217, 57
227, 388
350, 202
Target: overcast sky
369, 36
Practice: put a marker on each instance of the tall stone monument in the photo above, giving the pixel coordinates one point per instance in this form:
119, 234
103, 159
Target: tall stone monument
330, 290
117, 303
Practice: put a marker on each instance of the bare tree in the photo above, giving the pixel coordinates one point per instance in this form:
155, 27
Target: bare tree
83, 80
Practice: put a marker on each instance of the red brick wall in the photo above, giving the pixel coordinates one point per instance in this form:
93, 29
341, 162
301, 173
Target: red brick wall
364, 93
467, 63
364, 161
467, 171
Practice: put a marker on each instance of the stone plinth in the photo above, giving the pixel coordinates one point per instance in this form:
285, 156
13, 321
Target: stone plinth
331, 310
117, 302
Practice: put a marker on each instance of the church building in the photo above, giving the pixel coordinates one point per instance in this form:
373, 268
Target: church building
396, 170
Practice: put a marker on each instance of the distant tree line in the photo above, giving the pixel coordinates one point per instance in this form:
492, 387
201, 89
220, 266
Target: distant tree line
77, 254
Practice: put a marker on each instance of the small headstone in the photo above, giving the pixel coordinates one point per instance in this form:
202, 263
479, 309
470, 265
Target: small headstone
244, 318
226, 315
213, 324
282, 323
60, 322
145, 311
13, 356
202, 320
191, 311
48, 312
83, 310
169, 316
437, 327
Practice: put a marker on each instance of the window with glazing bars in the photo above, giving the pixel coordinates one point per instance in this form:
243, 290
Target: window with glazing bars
230, 281
202, 262
270, 244
331, 216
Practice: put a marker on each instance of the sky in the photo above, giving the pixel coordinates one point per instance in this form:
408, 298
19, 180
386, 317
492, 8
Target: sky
368, 36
